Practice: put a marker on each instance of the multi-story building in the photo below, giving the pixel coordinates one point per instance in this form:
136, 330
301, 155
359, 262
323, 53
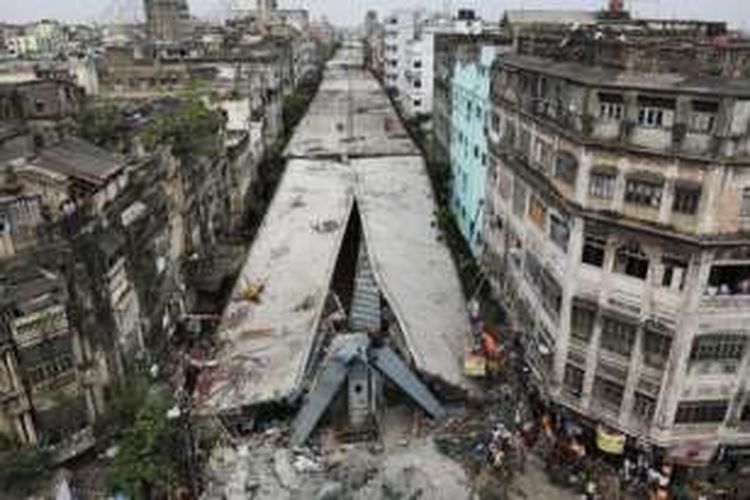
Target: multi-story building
410, 48
49, 393
469, 152
616, 227
45, 39
401, 28
167, 20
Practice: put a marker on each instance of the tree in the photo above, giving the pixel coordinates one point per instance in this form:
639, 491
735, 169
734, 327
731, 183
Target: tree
100, 124
191, 128
24, 470
148, 453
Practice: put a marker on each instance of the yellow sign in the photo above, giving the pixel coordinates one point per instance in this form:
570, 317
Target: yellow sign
610, 442
475, 365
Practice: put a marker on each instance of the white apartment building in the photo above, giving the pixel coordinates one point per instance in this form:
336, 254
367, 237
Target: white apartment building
410, 53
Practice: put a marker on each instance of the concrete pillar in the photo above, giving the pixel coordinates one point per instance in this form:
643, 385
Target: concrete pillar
562, 341
30, 429
591, 362
634, 368
685, 330
15, 380
667, 199
359, 395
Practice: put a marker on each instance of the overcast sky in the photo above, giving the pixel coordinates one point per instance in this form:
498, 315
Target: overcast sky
350, 12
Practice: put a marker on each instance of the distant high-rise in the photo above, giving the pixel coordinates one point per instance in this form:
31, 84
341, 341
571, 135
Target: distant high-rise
167, 19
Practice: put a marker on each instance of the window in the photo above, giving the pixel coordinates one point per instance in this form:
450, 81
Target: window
701, 412
611, 106
495, 122
745, 203
631, 261
519, 198
594, 248
504, 184
608, 393
650, 117
703, 117
644, 407
654, 112
686, 199
573, 380
476, 151
718, 347
544, 283
582, 321
566, 168
524, 143
675, 272
417, 83
509, 137
602, 185
644, 192
47, 359
729, 279
559, 231
543, 154
417, 64
656, 347
417, 103
618, 336
537, 212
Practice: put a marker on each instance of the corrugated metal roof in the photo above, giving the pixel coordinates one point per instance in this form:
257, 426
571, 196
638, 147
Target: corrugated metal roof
80, 160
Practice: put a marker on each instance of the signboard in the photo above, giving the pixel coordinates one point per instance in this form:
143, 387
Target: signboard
609, 441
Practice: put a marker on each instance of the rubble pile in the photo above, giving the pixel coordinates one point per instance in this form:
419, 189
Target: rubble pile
262, 468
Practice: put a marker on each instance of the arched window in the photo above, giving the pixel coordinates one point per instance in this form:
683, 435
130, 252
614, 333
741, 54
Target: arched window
631, 260
566, 167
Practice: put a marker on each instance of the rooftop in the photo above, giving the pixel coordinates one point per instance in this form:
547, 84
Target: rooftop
610, 77
80, 160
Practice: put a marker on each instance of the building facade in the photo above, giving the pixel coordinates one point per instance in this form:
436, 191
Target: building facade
617, 208
45, 39
410, 52
167, 20
469, 152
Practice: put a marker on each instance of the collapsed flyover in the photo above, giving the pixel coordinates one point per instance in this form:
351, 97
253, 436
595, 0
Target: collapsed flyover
350, 243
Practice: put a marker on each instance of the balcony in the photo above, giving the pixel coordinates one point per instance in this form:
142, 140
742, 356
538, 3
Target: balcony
722, 303
73, 446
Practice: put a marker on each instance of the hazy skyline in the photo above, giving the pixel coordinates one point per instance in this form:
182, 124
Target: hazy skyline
351, 12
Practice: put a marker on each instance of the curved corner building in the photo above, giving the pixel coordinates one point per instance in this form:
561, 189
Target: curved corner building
618, 219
